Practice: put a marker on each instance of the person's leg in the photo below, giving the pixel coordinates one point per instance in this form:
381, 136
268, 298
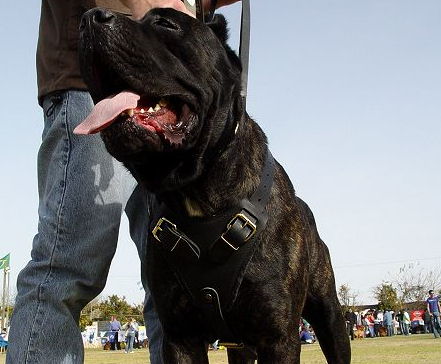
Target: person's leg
436, 325
82, 191
154, 331
138, 209
132, 340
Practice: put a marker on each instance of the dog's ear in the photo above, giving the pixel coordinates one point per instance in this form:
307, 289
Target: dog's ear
219, 26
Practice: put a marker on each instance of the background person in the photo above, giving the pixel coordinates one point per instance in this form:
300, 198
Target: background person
115, 327
400, 321
82, 193
427, 322
388, 322
350, 319
434, 309
370, 323
131, 328
406, 322
305, 336
378, 322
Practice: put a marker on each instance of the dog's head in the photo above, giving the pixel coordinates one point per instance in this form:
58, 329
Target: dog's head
167, 88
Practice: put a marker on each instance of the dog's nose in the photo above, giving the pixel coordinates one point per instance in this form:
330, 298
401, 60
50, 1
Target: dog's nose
97, 16
102, 16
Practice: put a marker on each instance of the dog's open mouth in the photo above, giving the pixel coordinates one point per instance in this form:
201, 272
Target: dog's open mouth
167, 117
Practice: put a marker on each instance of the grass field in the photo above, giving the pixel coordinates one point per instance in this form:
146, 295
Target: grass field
415, 349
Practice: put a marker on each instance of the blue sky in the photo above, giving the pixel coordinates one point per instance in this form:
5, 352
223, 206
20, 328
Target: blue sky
349, 95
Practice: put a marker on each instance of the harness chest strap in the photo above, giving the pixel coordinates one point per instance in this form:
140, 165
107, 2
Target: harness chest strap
210, 255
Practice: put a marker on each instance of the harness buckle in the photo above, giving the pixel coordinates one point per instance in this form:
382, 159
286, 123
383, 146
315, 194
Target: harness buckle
158, 227
244, 222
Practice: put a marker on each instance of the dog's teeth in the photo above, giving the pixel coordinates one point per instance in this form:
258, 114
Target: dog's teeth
130, 112
157, 107
142, 111
151, 109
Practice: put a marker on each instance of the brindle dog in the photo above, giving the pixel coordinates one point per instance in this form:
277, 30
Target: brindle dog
182, 132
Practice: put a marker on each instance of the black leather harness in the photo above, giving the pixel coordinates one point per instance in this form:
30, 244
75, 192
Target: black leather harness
209, 255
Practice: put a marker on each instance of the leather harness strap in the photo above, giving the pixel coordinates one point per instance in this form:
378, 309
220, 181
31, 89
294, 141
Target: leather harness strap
224, 234
210, 255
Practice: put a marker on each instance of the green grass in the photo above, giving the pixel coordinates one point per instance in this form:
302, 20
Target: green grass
414, 349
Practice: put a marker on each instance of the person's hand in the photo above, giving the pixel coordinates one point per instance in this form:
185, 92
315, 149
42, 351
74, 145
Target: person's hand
140, 7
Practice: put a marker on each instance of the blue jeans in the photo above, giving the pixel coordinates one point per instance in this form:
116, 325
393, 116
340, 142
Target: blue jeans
82, 193
130, 340
436, 323
405, 329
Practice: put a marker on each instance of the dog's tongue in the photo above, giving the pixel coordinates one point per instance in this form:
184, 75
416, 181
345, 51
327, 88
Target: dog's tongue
105, 112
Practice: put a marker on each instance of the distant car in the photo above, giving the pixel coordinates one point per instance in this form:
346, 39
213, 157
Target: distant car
417, 321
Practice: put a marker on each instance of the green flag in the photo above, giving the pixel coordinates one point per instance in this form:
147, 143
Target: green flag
4, 262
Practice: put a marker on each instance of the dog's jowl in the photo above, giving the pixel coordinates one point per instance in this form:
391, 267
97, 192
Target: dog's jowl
232, 253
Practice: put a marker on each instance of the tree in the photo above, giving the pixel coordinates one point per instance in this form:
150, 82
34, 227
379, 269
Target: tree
414, 282
114, 306
387, 297
347, 297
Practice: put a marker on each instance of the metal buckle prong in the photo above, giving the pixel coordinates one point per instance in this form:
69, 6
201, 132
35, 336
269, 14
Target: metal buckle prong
158, 227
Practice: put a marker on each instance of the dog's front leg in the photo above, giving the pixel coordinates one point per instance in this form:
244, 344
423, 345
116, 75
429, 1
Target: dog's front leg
283, 351
187, 351
241, 356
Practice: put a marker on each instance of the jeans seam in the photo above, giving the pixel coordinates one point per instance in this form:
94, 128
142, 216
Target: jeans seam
57, 234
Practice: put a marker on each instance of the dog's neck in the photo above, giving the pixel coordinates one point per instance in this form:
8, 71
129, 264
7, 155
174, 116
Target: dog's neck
231, 177
193, 208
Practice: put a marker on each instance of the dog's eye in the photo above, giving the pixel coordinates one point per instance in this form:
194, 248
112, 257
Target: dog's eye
165, 23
